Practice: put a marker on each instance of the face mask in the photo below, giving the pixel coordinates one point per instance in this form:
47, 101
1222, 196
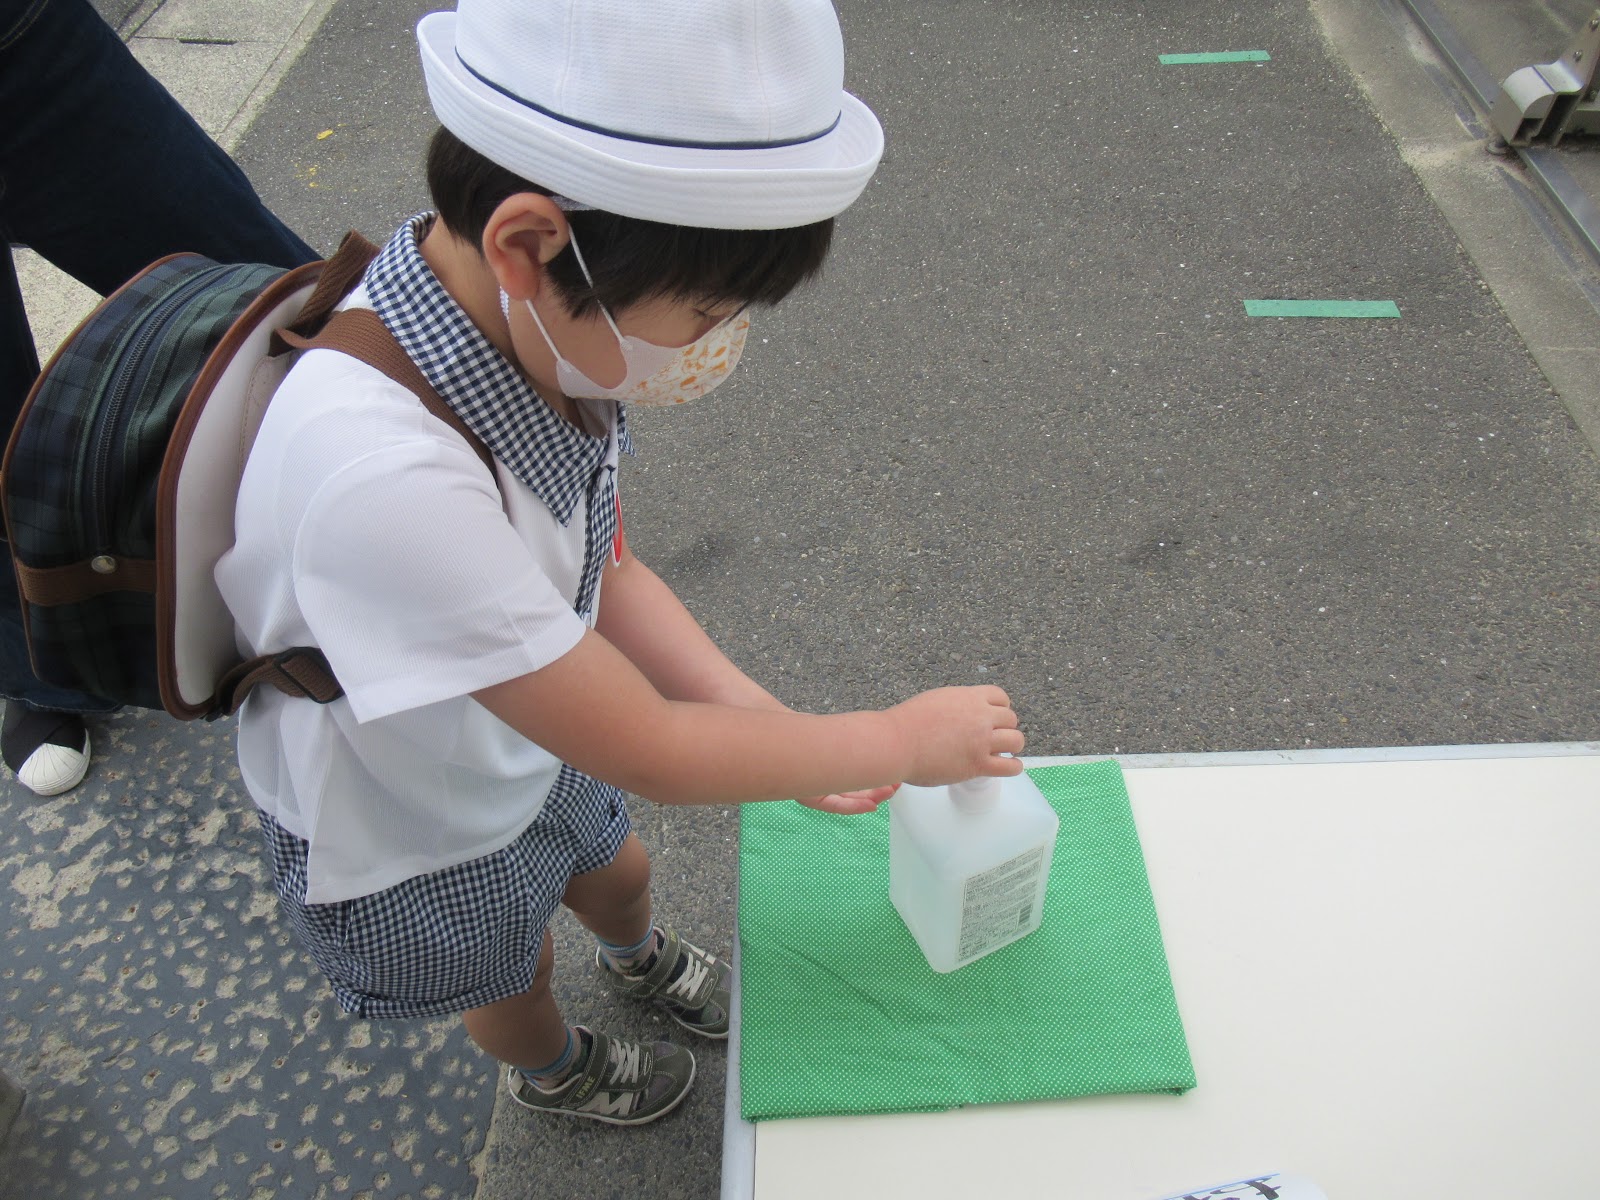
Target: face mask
655, 375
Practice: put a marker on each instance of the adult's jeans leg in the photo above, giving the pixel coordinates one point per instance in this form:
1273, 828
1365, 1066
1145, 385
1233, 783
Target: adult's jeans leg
19, 362
101, 170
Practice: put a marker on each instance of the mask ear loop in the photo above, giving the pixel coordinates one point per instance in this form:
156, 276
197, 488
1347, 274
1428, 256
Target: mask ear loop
505, 304
505, 310
566, 206
572, 206
572, 240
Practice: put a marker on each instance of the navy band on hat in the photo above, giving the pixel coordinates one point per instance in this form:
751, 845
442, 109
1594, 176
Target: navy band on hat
635, 137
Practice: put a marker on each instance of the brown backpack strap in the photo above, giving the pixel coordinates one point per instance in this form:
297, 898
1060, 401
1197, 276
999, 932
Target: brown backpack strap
340, 274
361, 333
301, 672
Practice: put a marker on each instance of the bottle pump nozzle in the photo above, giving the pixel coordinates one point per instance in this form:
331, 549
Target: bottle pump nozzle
976, 795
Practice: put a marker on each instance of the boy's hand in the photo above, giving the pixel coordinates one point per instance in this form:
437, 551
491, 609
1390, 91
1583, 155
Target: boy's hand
851, 804
957, 733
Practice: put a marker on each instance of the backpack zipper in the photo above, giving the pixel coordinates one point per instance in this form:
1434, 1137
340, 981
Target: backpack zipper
153, 325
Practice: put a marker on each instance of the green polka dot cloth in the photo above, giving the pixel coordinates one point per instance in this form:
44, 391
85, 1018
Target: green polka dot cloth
841, 1014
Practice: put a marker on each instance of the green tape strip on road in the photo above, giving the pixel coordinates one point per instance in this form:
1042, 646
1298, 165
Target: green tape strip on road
1227, 56
1321, 308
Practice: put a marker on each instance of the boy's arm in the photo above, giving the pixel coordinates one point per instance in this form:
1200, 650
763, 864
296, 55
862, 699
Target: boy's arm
594, 709
642, 617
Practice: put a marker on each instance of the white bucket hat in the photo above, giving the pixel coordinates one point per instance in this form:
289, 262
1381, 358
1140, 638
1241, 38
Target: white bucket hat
721, 114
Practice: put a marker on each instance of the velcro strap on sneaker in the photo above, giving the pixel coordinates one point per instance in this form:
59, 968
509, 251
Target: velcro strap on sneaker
694, 985
654, 980
593, 1071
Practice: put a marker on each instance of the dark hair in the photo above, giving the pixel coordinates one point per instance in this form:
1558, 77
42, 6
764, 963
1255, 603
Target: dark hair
631, 260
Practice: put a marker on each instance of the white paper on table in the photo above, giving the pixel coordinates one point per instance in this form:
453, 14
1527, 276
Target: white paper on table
1274, 1185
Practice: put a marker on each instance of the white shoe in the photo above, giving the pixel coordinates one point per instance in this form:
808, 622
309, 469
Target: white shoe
59, 755
51, 770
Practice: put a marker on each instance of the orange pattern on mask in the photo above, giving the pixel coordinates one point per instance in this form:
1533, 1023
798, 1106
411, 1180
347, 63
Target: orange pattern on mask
701, 366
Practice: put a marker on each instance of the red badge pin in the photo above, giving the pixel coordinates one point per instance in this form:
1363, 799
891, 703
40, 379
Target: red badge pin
616, 542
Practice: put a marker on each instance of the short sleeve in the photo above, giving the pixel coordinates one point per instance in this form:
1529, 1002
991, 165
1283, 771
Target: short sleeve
416, 586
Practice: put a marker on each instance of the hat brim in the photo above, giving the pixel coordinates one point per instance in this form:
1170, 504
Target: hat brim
770, 188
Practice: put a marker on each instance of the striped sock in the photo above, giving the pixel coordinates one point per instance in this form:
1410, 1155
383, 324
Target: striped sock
547, 1079
634, 959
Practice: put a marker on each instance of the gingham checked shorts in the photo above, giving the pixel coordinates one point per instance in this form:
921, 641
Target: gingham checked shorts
458, 938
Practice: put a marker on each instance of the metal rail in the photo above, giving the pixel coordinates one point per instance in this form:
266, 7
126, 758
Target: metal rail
1544, 167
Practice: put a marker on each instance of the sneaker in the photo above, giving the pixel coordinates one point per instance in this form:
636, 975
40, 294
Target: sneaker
695, 988
47, 751
618, 1082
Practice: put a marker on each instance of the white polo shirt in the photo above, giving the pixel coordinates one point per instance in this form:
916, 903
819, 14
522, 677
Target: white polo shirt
367, 527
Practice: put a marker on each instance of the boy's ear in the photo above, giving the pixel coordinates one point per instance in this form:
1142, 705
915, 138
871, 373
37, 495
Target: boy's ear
526, 231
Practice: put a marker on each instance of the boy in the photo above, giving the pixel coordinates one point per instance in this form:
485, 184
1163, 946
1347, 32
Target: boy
616, 184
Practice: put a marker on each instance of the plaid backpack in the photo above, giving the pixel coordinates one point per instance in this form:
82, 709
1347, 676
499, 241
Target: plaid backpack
121, 475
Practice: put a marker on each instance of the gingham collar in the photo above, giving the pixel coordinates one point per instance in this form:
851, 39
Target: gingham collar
553, 457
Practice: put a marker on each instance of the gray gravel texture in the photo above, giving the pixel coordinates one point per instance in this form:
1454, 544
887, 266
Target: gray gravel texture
173, 1039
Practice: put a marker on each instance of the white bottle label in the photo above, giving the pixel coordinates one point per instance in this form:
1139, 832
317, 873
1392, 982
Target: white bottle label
997, 903
1274, 1186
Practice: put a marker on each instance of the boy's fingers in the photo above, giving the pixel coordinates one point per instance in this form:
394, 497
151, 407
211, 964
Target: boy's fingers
1008, 741
882, 793
1003, 766
852, 804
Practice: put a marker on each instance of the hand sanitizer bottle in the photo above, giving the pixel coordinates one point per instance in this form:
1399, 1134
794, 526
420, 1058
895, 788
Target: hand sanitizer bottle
968, 864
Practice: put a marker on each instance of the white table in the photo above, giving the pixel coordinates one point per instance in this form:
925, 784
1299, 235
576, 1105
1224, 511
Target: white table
1388, 968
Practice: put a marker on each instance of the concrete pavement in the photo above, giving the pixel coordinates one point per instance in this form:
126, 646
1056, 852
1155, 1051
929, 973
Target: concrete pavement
1021, 433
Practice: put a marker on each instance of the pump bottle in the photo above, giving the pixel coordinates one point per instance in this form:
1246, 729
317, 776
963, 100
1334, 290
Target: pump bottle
968, 865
